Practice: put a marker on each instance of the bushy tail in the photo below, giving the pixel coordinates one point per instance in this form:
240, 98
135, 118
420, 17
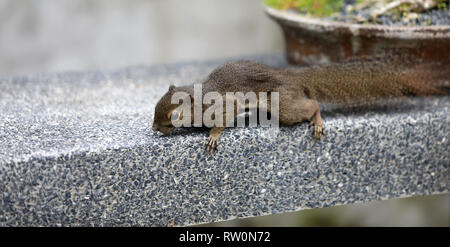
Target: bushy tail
428, 78
366, 80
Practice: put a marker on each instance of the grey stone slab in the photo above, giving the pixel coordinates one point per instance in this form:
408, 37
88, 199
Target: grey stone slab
77, 148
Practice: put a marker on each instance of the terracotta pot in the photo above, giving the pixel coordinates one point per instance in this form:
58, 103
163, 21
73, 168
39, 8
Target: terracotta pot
315, 41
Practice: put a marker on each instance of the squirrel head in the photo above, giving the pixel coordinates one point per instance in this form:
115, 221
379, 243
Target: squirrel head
166, 112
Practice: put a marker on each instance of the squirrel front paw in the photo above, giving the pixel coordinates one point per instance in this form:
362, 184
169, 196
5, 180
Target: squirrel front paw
211, 144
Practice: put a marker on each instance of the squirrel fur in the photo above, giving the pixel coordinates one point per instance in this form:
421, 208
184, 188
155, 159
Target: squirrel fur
301, 89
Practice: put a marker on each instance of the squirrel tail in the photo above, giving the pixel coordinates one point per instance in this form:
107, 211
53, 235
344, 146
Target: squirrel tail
366, 80
429, 79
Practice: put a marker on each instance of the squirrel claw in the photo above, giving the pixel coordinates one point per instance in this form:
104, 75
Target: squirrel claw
211, 144
318, 131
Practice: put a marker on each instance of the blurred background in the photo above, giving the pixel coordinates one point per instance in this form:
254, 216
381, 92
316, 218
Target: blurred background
61, 35
65, 35
430, 211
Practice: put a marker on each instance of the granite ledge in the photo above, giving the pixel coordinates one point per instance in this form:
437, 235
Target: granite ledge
77, 149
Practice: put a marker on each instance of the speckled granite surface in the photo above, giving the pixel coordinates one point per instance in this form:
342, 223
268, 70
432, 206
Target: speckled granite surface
78, 149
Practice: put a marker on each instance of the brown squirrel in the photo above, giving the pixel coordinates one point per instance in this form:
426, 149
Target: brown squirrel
300, 90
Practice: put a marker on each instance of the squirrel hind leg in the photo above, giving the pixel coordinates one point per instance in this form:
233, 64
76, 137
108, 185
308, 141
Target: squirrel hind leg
300, 110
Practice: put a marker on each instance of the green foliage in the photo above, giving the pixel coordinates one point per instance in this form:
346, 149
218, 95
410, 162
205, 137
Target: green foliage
278, 4
442, 5
320, 8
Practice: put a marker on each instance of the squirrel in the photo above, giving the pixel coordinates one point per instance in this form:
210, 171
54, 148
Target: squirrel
301, 89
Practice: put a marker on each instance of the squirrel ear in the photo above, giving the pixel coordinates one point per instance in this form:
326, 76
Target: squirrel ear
171, 87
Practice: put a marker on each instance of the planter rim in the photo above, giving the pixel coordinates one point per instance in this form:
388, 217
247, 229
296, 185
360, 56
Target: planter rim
320, 25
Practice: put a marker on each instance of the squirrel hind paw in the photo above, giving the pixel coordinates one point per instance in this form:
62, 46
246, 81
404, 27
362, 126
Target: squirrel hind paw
318, 131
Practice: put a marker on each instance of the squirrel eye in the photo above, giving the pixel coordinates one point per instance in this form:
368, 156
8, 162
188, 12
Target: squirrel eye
174, 115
